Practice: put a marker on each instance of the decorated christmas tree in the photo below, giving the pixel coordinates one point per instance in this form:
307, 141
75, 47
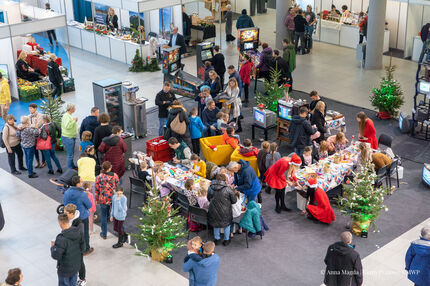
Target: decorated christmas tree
151, 65
52, 106
362, 201
159, 227
388, 98
137, 63
274, 91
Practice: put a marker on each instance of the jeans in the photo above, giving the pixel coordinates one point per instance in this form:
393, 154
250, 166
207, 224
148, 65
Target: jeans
226, 233
37, 156
299, 150
68, 281
301, 36
309, 30
252, 198
290, 36
11, 158
104, 216
69, 143
51, 154
86, 234
29, 156
163, 122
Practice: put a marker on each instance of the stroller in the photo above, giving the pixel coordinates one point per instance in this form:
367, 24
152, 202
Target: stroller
63, 183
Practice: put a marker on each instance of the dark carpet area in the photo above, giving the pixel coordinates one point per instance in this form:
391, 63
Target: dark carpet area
292, 252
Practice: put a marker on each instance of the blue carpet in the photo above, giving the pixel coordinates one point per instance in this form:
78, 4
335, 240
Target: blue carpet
18, 109
43, 41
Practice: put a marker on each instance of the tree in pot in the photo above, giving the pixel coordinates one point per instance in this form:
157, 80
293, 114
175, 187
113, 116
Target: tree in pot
159, 227
274, 91
388, 98
363, 201
54, 108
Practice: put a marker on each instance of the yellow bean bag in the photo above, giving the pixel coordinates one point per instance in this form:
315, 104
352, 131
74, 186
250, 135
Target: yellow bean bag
219, 157
235, 156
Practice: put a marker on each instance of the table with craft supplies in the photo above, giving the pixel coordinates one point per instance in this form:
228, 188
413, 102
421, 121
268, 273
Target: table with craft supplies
177, 176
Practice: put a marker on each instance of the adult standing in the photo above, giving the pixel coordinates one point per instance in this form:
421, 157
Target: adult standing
289, 56
417, 259
28, 136
5, 98
51, 129
178, 123
233, 91
299, 32
266, 61
276, 179
281, 65
91, 122
318, 119
51, 33
367, 130
220, 214
114, 148
289, 23
309, 28
14, 277
177, 39
112, 20
13, 145
105, 185
186, 26
214, 83
245, 76
232, 72
425, 32
244, 21
204, 270
300, 131
67, 250
163, 100
55, 76
36, 122
209, 117
102, 131
315, 99
245, 179
228, 17
218, 61
343, 263
362, 24
69, 130
76, 195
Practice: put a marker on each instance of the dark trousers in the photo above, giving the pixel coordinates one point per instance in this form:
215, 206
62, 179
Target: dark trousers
361, 38
68, 281
82, 271
57, 90
301, 36
51, 34
37, 156
280, 197
86, 234
246, 90
11, 158
196, 145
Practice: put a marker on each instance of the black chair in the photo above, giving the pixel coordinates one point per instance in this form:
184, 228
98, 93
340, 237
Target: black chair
183, 203
393, 169
137, 186
382, 174
200, 216
385, 140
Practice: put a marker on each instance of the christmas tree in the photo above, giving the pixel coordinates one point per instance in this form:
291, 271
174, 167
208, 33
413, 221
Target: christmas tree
388, 97
274, 91
362, 201
159, 227
52, 106
137, 63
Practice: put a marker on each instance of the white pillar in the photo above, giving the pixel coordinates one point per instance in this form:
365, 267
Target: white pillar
281, 12
375, 34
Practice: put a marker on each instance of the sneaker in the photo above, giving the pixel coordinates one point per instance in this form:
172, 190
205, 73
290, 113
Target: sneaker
278, 210
23, 169
51, 172
91, 250
217, 241
226, 242
117, 245
60, 171
82, 282
16, 173
32, 176
102, 236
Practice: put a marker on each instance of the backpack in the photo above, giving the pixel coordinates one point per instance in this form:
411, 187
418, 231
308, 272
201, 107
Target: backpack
2, 145
178, 126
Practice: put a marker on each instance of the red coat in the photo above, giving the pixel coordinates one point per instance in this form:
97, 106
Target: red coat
322, 211
275, 175
370, 133
114, 149
245, 72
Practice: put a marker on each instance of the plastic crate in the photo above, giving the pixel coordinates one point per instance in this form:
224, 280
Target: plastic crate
157, 144
163, 155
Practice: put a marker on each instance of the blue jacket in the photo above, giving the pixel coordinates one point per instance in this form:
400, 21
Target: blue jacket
196, 127
244, 21
196, 258
418, 262
246, 180
90, 123
79, 198
118, 209
209, 117
205, 271
251, 218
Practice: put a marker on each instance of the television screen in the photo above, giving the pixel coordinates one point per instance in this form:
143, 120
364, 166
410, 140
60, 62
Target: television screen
4, 71
173, 56
248, 46
424, 87
246, 35
259, 117
284, 112
206, 55
174, 67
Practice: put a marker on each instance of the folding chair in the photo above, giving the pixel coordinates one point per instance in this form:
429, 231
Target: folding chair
182, 202
393, 169
139, 187
385, 140
382, 174
200, 216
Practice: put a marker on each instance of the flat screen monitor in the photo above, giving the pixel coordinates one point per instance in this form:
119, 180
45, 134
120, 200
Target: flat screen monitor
248, 46
424, 87
173, 56
247, 35
285, 112
4, 71
206, 55
259, 117
173, 67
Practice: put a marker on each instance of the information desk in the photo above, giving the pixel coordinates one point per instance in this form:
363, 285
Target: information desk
40, 63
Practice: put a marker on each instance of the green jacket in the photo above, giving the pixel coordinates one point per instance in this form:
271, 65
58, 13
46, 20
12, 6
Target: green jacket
290, 57
69, 127
251, 218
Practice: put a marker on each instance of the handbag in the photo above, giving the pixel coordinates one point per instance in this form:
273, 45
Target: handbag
177, 126
44, 144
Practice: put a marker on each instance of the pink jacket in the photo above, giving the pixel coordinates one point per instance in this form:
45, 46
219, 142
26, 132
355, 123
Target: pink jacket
91, 197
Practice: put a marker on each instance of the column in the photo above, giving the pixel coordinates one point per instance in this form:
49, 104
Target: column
281, 12
375, 34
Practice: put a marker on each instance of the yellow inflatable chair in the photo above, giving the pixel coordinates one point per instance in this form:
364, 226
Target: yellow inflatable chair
235, 156
219, 157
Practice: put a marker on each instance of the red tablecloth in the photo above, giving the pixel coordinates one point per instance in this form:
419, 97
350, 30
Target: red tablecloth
37, 63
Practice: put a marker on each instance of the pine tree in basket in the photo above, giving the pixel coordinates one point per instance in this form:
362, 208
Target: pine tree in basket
52, 106
137, 63
388, 98
159, 227
361, 200
274, 91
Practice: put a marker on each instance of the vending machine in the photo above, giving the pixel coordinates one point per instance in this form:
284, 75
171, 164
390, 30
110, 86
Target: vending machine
108, 98
204, 52
248, 41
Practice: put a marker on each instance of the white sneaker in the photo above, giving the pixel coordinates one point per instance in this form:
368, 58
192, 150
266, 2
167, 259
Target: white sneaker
82, 282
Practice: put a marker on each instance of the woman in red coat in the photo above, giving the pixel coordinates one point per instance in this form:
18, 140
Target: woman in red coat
245, 75
275, 178
319, 206
367, 130
114, 148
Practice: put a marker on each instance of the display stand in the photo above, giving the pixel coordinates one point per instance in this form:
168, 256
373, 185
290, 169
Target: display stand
421, 111
204, 52
282, 131
108, 98
265, 129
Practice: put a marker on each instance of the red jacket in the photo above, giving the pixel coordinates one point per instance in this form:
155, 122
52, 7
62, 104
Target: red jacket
114, 149
275, 175
322, 211
230, 140
370, 133
248, 152
245, 72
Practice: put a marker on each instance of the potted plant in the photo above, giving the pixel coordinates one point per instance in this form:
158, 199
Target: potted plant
388, 98
274, 91
54, 108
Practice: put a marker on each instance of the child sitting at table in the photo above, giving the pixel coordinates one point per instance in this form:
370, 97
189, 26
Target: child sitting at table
190, 193
199, 166
142, 173
337, 142
202, 194
228, 174
322, 149
229, 138
247, 149
237, 211
307, 158
160, 180
85, 141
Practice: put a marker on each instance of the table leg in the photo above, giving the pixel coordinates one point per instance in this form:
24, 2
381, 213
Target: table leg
265, 134
253, 132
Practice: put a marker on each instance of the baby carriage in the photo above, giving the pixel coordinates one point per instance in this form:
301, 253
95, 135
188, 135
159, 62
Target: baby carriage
63, 183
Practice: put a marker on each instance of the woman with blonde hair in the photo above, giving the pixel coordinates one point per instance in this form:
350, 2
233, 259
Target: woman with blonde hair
28, 136
337, 142
232, 90
214, 83
26, 72
112, 20
318, 119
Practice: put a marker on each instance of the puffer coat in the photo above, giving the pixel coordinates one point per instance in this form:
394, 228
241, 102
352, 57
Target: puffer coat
220, 197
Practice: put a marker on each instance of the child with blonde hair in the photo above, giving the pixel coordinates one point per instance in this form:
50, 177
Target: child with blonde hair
323, 149
202, 194
86, 140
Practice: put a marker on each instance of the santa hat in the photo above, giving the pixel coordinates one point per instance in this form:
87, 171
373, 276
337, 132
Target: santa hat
312, 183
295, 160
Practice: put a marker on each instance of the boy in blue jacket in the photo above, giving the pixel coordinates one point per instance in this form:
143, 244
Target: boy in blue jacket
245, 179
196, 129
204, 271
77, 196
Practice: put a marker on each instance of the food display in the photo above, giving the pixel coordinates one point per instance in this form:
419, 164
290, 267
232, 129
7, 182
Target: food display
177, 176
29, 91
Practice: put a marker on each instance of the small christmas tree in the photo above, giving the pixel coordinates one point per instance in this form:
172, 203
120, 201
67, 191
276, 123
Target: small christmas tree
159, 226
151, 65
388, 98
137, 63
274, 91
362, 201
52, 106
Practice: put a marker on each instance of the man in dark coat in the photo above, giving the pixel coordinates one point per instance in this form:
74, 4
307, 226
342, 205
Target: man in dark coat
245, 179
300, 131
177, 39
299, 32
209, 118
282, 66
343, 263
163, 100
186, 25
54, 75
178, 110
417, 259
218, 62
91, 122
244, 21
67, 249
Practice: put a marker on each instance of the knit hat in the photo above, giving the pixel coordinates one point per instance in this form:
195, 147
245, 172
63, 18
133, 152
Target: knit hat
203, 87
295, 160
312, 183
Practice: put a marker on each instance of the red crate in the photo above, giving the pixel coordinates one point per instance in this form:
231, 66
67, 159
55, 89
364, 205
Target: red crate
163, 155
153, 145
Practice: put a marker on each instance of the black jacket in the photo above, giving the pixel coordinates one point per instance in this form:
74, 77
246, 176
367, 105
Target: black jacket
182, 117
220, 197
319, 120
218, 62
299, 23
300, 132
314, 103
163, 109
99, 133
54, 131
54, 73
90, 123
425, 32
216, 87
343, 266
282, 66
67, 250
114, 21
180, 41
